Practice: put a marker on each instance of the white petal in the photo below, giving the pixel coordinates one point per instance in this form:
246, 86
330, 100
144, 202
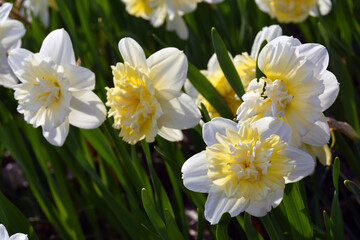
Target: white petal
274, 49
57, 45
7, 77
182, 6
263, 5
168, 69
5, 10
178, 24
57, 135
11, 33
170, 134
3, 233
303, 162
179, 112
218, 203
80, 78
323, 5
213, 65
268, 34
16, 58
190, 90
317, 55
195, 173
133, 53
19, 236
217, 125
319, 134
87, 110
261, 208
269, 125
331, 91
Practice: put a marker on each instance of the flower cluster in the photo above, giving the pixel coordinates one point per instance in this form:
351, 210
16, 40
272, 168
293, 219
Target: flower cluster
246, 164
157, 11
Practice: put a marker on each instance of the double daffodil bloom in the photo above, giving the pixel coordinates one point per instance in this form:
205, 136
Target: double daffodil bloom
245, 167
286, 11
11, 32
146, 98
5, 236
54, 92
157, 11
296, 88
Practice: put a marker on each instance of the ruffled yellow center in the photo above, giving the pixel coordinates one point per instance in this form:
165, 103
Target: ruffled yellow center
246, 68
219, 81
133, 104
244, 165
291, 10
46, 92
279, 95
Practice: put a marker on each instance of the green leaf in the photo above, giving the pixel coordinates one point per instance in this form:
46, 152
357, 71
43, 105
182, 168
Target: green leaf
227, 64
327, 223
205, 113
222, 227
336, 172
246, 224
153, 215
354, 188
14, 220
297, 212
272, 228
337, 223
200, 224
204, 87
259, 73
171, 226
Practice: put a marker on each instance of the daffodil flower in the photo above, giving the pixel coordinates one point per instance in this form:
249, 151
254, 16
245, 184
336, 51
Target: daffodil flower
54, 92
159, 11
245, 167
245, 65
286, 11
296, 88
5, 236
11, 32
146, 98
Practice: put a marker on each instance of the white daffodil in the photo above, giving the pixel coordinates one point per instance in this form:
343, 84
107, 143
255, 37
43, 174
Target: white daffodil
245, 65
245, 167
11, 32
159, 11
54, 92
294, 10
5, 236
146, 98
296, 88
39, 8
